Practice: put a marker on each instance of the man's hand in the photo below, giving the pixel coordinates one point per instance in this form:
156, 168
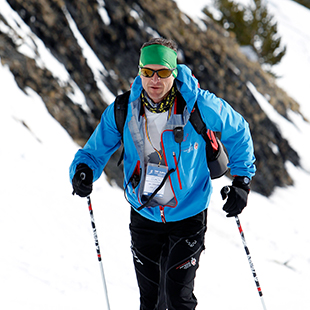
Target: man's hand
237, 195
82, 181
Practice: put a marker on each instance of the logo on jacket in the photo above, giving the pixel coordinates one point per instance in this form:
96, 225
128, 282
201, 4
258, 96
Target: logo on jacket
191, 148
185, 138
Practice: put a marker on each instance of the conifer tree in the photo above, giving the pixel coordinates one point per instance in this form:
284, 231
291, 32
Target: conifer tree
254, 26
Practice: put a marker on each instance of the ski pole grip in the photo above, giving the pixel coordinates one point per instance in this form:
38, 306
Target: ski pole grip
83, 176
224, 192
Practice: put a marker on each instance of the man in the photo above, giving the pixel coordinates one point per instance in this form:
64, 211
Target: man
162, 148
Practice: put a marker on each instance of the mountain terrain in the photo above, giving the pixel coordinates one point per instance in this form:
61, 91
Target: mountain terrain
48, 256
114, 31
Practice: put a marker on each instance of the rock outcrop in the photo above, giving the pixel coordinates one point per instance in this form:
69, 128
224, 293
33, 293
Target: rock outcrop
115, 31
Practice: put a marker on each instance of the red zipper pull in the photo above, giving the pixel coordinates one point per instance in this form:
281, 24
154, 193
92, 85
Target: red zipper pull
177, 168
162, 214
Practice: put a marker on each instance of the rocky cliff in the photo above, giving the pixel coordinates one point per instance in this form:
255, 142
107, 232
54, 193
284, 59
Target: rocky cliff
115, 31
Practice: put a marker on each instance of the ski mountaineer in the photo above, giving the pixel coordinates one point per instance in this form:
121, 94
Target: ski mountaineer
167, 231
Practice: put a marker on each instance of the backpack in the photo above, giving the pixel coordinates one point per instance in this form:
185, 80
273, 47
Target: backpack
216, 157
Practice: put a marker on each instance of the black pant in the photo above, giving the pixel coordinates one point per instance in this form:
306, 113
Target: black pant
166, 257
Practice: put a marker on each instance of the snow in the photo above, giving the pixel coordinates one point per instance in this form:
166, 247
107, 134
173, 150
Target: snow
293, 27
294, 70
31, 46
48, 257
103, 13
93, 61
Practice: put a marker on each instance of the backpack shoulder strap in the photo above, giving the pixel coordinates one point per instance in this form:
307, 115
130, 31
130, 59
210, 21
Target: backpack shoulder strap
199, 125
208, 135
197, 122
120, 110
120, 115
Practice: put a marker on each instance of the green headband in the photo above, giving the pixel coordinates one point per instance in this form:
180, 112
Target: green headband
157, 54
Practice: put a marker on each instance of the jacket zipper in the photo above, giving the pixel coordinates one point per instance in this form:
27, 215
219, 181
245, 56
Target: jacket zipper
177, 168
162, 214
135, 178
175, 162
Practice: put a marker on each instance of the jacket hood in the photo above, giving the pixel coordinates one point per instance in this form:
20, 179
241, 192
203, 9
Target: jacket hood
186, 83
188, 86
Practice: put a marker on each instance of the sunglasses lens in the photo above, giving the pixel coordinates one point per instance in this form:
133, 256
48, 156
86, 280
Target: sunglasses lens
147, 72
164, 73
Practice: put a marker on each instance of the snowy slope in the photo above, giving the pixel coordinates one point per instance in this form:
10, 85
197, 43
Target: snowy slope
48, 258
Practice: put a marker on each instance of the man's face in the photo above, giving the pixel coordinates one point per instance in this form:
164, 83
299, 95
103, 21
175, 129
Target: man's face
157, 88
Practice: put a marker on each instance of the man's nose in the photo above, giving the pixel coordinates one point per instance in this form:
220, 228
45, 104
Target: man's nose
155, 77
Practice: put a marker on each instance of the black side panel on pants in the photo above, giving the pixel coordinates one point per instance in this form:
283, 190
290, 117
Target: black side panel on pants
166, 257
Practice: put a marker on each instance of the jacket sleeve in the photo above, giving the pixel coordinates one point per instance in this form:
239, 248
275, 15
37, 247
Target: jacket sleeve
235, 132
104, 141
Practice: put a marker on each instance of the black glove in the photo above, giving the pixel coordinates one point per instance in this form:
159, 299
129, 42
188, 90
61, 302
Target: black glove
237, 196
82, 181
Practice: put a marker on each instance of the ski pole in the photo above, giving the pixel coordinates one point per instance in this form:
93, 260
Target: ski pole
98, 250
250, 262
83, 176
226, 190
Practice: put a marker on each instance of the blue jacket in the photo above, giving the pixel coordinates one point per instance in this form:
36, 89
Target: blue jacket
191, 183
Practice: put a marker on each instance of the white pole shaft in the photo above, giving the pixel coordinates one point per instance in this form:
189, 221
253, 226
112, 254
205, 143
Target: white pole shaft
259, 290
98, 252
104, 286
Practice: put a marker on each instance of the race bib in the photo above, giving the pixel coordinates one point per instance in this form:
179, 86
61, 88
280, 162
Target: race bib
154, 176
